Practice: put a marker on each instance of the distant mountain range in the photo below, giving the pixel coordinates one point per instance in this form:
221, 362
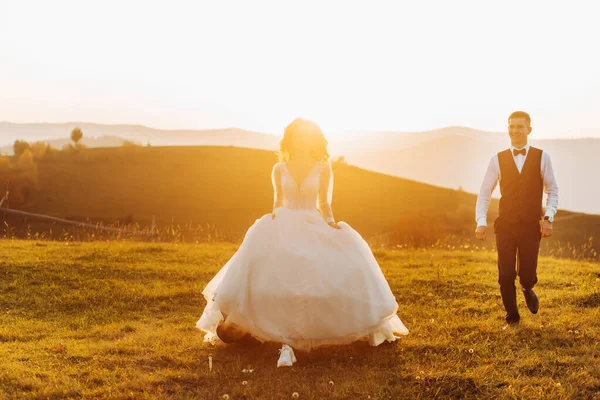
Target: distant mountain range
453, 157
94, 135
102, 141
458, 159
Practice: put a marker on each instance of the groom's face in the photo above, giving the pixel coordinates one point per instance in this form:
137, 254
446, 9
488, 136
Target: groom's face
518, 129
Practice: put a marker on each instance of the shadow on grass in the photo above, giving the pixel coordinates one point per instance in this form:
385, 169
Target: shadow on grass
588, 301
446, 386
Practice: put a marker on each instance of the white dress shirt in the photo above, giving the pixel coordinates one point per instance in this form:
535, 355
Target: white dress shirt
492, 177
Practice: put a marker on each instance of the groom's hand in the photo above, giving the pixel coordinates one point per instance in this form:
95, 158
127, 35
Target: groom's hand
481, 232
546, 228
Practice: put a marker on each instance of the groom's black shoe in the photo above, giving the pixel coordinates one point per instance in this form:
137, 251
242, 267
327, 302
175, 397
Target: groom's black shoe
532, 300
513, 319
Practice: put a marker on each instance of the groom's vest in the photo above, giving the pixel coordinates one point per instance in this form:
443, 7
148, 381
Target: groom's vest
521, 193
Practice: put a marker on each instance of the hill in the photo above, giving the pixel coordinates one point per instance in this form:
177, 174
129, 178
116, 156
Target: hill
229, 187
453, 157
117, 320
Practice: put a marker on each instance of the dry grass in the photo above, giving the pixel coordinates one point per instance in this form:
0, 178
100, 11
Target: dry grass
116, 320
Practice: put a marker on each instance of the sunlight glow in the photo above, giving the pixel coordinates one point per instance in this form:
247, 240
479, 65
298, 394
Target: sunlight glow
257, 65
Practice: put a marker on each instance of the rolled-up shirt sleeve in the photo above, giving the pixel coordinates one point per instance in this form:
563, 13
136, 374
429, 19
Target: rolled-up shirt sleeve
490, 181
550, 186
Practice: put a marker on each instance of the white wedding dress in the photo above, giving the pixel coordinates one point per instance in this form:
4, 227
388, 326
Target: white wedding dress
298, 281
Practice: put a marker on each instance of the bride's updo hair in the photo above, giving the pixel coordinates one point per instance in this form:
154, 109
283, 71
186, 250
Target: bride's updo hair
299, 126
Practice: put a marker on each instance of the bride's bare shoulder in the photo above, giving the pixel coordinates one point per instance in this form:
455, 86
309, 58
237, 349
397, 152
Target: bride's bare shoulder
277, 166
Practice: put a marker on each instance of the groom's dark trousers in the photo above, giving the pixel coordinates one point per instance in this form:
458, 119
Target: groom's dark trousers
521, 243
517, 227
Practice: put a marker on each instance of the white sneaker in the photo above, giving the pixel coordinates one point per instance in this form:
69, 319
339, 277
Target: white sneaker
286, 357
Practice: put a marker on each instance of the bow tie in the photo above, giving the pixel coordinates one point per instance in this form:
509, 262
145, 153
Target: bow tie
517, 152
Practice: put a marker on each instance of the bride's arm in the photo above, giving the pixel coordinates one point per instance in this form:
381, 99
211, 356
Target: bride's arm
324, 198
277, 190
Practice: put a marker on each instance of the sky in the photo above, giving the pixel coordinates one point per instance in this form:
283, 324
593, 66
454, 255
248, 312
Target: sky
349, 66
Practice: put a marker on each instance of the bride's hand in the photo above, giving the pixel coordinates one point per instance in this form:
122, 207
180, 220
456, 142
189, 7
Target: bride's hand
334, 225
272, 215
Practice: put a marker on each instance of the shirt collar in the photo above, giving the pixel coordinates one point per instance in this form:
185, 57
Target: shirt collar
526, 148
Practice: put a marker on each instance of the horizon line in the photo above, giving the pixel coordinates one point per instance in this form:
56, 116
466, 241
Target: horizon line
350, 131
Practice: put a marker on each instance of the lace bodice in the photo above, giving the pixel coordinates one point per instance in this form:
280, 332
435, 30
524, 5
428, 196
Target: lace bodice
313, 192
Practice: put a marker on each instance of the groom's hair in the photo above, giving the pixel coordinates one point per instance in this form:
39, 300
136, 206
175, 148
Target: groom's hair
520, 114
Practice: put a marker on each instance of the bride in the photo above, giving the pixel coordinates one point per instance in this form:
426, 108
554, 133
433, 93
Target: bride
299, 278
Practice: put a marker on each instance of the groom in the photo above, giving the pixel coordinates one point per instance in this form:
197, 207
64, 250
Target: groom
524, 173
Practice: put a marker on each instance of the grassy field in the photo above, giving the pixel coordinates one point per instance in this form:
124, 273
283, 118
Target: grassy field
116, 320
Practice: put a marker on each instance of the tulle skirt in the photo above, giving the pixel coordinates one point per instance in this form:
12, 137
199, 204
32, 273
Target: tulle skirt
298, 281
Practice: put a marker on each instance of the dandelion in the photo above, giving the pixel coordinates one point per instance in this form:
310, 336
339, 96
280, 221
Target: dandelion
295, 395
418, 378
331, 383
471, 351
225, 396
577, 332
558, 384
244, 383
